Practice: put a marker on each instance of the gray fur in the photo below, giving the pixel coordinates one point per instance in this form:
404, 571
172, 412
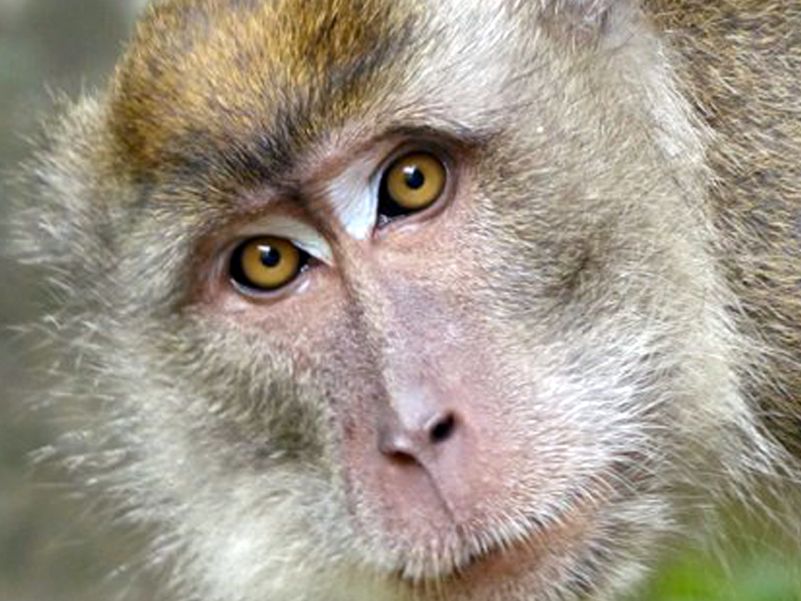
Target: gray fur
647, 289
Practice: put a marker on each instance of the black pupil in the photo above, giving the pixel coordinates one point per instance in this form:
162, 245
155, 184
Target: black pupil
270, 257
413, 177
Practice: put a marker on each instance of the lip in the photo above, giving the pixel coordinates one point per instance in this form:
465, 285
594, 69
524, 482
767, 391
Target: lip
534, 554
484, 575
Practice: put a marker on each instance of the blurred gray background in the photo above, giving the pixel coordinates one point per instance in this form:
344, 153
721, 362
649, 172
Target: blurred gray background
50, 547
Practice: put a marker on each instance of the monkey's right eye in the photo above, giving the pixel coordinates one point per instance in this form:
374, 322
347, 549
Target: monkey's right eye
266, 264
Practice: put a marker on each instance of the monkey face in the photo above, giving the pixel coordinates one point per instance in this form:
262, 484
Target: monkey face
403, 300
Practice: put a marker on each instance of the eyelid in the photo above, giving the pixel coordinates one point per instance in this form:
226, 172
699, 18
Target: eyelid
296, 285
304, 236
353, 199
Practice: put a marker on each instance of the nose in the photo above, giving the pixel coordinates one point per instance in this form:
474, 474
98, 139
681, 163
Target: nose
417, 439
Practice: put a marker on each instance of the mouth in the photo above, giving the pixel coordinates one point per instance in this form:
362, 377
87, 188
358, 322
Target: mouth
450, 570
493, 559
502, 560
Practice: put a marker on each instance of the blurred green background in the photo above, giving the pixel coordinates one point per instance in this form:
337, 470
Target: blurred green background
50, 549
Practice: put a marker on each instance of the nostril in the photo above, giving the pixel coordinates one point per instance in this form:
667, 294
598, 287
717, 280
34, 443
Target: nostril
412, 445
402, 457
443, 429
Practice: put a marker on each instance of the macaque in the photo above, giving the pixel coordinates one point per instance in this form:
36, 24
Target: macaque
417, 300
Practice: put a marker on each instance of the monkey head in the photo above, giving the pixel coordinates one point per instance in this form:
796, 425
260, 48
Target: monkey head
395, 300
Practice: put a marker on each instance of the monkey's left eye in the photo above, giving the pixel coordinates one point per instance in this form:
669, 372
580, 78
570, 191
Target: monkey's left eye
266, 264
412, 183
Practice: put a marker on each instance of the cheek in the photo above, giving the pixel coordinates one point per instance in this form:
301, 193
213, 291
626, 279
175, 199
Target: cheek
431, 326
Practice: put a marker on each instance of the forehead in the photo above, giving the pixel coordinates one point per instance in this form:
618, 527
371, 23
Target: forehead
253, 83
201, 73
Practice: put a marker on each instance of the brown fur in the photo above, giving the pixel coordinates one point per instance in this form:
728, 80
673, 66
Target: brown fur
274, 76
741, 64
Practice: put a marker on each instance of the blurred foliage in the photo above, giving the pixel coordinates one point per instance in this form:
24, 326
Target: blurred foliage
753, 566
49, 549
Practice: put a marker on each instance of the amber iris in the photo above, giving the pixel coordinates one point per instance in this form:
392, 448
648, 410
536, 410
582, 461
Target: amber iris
415, 181
266, 263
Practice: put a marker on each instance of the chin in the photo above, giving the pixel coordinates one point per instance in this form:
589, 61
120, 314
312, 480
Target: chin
587, 554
